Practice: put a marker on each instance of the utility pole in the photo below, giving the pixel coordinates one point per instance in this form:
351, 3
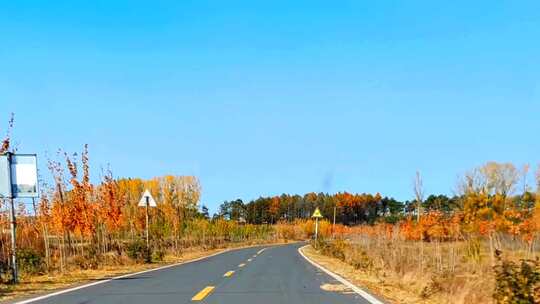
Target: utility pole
419, 194
334, 224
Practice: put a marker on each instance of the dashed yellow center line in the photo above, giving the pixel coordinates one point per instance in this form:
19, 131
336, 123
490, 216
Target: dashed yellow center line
203, 293
228, 273
241, 265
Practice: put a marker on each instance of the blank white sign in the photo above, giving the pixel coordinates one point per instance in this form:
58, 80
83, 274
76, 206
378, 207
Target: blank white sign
5, 186
24, 178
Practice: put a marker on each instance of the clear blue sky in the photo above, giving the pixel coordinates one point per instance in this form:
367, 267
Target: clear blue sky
265, 97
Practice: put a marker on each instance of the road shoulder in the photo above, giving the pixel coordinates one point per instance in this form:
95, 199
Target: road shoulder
345, 274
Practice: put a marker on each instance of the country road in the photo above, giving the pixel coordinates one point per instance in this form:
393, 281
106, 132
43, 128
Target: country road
269, 274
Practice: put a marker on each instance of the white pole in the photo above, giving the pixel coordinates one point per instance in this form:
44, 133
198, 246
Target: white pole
334, 225
147, 234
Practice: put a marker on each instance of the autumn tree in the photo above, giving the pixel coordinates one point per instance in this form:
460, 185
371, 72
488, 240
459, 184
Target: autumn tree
274, 208
81, 209
109, 210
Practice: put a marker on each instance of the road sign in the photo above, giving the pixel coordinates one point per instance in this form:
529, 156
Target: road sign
147, 201
18, 178
147, 198
317, 213
24, 178
5, 182
18, 175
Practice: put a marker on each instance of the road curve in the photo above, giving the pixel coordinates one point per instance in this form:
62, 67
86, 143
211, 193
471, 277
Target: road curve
267, 274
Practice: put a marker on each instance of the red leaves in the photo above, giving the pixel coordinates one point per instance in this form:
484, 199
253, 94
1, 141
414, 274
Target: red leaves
346, 199
110, 204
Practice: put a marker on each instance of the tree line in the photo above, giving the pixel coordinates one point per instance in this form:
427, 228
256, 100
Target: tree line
492, 200
350, 208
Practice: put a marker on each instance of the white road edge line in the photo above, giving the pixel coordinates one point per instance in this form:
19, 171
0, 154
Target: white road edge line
120, 277
356, 289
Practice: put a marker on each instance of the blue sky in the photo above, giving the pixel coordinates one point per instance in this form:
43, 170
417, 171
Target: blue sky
265, 97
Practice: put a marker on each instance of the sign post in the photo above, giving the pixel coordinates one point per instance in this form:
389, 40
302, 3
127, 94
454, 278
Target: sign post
18, 179
147, 201
317, 215
13, 227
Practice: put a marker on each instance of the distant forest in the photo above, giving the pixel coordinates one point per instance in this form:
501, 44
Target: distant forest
351, 209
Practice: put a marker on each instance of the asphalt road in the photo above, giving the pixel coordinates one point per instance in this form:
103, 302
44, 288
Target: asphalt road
270, 274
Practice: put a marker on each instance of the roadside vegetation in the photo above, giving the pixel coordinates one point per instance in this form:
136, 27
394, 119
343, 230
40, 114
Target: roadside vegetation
480, 245
78, 230
484, 250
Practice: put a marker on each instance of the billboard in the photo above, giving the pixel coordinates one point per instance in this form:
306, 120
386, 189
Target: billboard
18, 175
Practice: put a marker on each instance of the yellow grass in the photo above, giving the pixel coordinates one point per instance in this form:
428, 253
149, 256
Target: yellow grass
415, 272
364, 280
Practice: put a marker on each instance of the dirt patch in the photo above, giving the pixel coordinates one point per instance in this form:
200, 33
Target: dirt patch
336, 288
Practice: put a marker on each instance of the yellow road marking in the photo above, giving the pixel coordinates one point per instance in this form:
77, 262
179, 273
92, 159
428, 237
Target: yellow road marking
242, 265
228, 273
249, 260
203, 293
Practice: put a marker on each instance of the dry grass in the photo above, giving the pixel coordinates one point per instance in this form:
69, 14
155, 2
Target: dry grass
404, 271
367, 281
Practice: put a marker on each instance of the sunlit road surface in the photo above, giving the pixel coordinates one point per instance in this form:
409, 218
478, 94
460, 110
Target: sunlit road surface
271, 274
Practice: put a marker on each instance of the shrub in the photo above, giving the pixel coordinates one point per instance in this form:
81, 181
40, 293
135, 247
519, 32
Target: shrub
85, 262
158, 255
439, 282
90, 260
359, 259
337, 249
113, 258
474, 250
139, 252
5, 272
517, 283
353, 255
29, 261
334, 249
285, 231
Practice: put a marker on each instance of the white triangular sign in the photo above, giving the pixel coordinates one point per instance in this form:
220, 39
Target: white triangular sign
147, 197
